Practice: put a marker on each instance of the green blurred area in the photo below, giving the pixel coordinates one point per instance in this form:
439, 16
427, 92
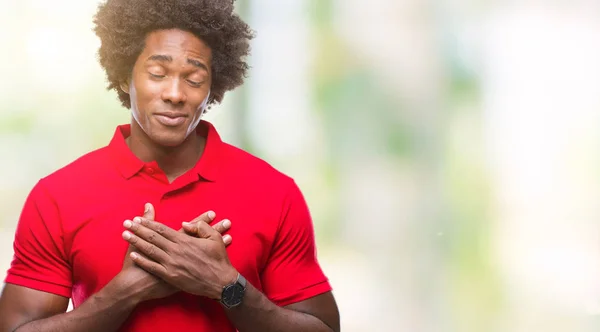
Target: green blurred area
393, 168
362, 121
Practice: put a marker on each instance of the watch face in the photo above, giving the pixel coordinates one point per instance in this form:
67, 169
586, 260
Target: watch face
233, 295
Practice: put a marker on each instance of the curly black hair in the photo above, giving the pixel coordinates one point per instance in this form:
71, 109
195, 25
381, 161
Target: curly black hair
122, 26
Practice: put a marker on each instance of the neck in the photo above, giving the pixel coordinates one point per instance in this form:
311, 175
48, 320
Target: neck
174, 161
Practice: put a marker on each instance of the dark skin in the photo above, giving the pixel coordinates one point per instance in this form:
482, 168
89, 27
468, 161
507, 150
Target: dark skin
170, 81
24, 309
200, 266
169, 85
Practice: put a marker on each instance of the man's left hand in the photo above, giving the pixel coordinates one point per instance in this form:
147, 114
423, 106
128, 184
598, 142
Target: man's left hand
197, 265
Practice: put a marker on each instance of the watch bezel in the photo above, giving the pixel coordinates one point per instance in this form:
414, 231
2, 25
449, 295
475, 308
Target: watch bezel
233, 294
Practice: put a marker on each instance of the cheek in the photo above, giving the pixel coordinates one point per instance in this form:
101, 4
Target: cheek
139, 105
143, 97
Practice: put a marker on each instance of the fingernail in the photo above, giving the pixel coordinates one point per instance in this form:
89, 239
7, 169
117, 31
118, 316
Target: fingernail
211, 214
126, 235
226, 223
127, 224
134, 255
137, 220
185, 223
146, 207
227, 238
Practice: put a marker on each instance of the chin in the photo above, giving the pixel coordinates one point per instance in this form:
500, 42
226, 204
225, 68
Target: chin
169, 139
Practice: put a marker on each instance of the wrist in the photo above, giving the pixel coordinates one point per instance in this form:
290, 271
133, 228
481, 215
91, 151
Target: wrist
233, 293
129, 288
228, 278
119, 290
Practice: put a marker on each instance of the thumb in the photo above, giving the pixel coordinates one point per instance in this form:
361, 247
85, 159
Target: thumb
149, 211
205, 231
192, 226
206, 217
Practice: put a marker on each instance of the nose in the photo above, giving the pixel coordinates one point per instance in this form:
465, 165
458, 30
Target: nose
173, 92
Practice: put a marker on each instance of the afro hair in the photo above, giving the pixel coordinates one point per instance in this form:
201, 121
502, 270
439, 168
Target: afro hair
122, 26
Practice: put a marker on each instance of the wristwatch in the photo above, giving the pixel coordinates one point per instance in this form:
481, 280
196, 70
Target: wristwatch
233, 294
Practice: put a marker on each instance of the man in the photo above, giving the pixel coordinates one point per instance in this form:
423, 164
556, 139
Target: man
84, 235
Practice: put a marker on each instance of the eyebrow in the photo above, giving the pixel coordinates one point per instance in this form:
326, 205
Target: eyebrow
161, 58
168, 58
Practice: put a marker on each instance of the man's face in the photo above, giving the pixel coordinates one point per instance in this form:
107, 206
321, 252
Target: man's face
170, 85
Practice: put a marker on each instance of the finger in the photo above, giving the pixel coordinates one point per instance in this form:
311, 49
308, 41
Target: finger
147, 234
206, 217
191, 226
149, 211
161, 229
221, 227
130, 249
227, 239
148, 265
205, 231
145, 247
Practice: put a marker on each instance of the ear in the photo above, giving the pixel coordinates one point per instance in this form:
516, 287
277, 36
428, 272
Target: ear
124, 87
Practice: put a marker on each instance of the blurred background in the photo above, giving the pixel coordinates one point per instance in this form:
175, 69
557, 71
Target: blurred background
449, 150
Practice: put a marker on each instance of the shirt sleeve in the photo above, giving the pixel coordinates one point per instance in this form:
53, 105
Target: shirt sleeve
292, 273
39, 260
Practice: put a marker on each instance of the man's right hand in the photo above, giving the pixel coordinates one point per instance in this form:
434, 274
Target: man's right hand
149, 286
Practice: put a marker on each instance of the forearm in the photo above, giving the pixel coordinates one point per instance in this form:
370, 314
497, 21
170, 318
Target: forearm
104, 311
258, 313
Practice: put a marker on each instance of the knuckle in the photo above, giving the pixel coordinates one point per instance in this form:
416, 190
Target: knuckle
177, 251
151, 250
173, 275
219, 227
160, 229
152, 237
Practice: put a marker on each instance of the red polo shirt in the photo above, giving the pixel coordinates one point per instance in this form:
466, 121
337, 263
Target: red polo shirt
68, 241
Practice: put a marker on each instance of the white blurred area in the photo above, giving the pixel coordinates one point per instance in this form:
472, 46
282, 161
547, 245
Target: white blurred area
542, 124
488, 223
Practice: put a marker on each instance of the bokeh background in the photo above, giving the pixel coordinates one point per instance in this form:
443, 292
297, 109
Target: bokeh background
449, 150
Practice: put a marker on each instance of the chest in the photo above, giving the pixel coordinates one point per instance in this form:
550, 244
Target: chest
96, 249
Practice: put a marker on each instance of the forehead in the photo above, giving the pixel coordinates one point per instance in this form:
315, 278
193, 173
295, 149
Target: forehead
175, 42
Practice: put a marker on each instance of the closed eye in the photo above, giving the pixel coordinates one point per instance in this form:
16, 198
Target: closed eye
194, 83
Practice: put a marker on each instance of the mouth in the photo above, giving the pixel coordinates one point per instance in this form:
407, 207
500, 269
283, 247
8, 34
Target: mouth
170, 119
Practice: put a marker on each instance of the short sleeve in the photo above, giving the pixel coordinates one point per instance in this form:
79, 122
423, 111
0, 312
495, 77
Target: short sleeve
292, 273
39, 260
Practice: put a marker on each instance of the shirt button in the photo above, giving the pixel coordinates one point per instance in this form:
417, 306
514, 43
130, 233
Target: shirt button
150, 170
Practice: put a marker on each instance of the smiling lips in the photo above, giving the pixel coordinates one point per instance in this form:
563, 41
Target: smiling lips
170, 119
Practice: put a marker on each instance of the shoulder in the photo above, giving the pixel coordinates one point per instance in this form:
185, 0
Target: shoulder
257, 182
85, 169
240, 164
